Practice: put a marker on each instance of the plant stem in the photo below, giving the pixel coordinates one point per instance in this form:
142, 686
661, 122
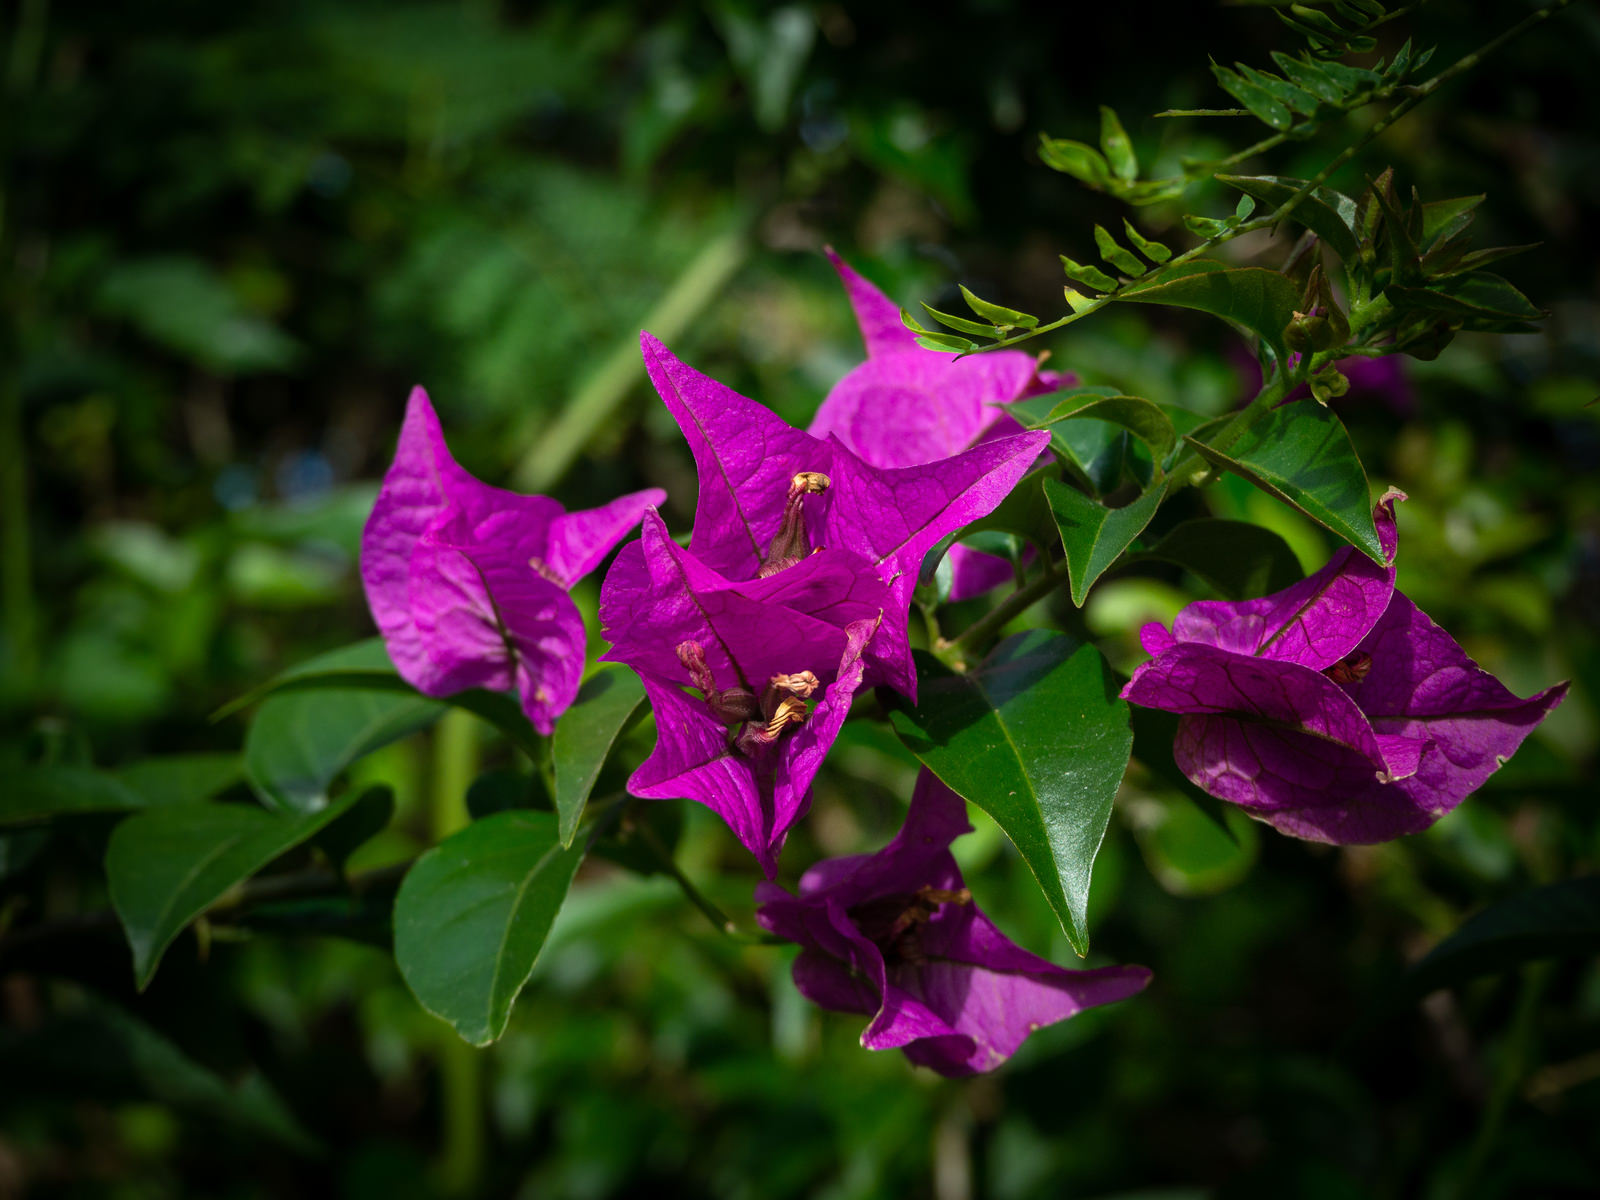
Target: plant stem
1515, 1056
1053, 576
663, 856
461, 1151
556, 448
1417, 95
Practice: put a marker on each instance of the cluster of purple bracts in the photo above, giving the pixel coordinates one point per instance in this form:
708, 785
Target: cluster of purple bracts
793, 593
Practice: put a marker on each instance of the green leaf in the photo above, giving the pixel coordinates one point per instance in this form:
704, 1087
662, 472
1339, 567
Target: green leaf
584, 736
1329, 214
1075, 159
1559, 920
1260, 300
168, 865
1114, 254
1298, 99
1143, 419
963, 325
1309, 75
1443, 219
939, 343
1478, 295
1093, 535
1259, 101
1037, 738
34, 794
1117, 147
299, 742
996, 313
1237, 559
1301, 454
366, 666
182, 778
473, 914
1087, 273
1153, 250
1188, 852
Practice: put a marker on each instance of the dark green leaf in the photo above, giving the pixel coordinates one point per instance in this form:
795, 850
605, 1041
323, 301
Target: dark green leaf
34, 794
998, 314
300, 742
504, 789
1310, 76
1140, 417
1237, 559
1559, 920
1443, 219
1260, 300
1260, 102
168, 865
473, 914
182, 778
584, 736
1329, 214
1479, 295
1284, 92
365, 666
1093, 535
1118, 149
1301, 454
1037, 738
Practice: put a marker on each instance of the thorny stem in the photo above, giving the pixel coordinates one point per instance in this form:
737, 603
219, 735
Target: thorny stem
1417, 94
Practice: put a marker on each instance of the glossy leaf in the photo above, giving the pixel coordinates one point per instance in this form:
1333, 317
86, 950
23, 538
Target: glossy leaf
299, 742
1301, 454
1093, 535
166, 866
1310, 76
473, 914
1329, 214
1557, 920
1237, 559
584, 736
1260, 102
1138, 416
34, 794
1075, 159
962, 324
366, 666
1037, 738
1260, 300
1481, 295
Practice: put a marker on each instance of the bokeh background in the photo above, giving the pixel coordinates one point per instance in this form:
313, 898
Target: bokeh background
234, 236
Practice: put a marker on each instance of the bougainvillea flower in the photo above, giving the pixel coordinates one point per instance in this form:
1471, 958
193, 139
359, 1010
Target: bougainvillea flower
774, 682
1334, 710
906, 406
773, 497
895, 936
468, 583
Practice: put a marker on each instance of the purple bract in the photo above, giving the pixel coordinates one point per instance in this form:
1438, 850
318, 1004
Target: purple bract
906, 406
895, 935
1334, 710
793, 592
468, 583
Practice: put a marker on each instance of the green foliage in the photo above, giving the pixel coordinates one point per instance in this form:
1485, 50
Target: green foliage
584, 738
473, 914
993, 734
1093, 535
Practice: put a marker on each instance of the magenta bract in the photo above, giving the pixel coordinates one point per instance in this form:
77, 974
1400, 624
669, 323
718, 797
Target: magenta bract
895, 935
906, 406
468, 583
1334, 710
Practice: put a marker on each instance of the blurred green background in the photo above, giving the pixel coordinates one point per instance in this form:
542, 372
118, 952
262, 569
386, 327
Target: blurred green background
235, 235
